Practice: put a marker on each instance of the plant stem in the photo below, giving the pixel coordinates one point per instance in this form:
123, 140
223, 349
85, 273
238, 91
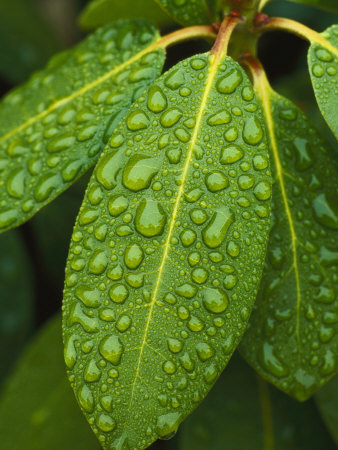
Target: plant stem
220, 47
186, 34
264, 23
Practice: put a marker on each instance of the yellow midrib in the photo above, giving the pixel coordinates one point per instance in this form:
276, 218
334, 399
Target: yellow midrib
208, 86
265, 93
155, 45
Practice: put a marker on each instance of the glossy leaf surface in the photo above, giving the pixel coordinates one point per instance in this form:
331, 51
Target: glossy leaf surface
292, 337
53, 127
187, 12
328, 5
37, 407
327, 401
248, 413
323, 66
26, 42
16, 299
101, 12
167, 252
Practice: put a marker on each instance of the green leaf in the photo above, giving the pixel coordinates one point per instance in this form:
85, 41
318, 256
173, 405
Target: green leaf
167, 252
26, 42
53, 127
101, 12
186, 12
292, 338
248, 413
329, 5
16, 319
37, 407
327, 401
323, 67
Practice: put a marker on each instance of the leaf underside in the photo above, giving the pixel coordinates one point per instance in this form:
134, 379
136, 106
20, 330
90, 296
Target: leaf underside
292, 337
101, 12
323, 67
190, 13
37, 407
167, 252
249, 413
327, 401
53, 127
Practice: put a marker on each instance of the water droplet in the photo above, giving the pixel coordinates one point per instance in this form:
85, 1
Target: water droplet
137, 120
187, 363
88, 215
216, 181
198, 216
325, 209
133, 256
175, 79
60, 143
117, 205
188, 237
70, 352
118, 293
270, 362
210, 373
174, 155
199, 275
92, 373
175, 345
111, 349
108, 168
193, 195
324, 55
89, 296
215, 232
170, 117
86, 399
139, 171
204, 351
123, 323
157, 101
228, 83
317, 70
46, 185
231, 154
220, 118
105, 423
169, 367
246, 181
252, 131
167, 425
98, 262
195, 324
262, 190
247, 93
215, 300
150, 218
186, 290
16, 183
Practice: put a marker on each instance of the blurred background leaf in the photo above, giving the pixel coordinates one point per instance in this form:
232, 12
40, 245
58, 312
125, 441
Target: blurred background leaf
16, 293
243, 411
327, 400
38, 410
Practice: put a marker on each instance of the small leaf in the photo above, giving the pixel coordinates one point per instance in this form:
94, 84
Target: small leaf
53, 127
323, 67
161, 281
186, 12
37, 406
327, 401
101, 12
292, 338
328, 5
16, 319
248, 413
26, 42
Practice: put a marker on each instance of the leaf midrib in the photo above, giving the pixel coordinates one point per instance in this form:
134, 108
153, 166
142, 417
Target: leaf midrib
154, 46
265, 93
212, 73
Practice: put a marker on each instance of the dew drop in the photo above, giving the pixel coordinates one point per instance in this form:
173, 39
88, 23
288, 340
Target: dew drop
216, 181
228, 83
118, 293
92, 373
150, 218
133, 256
167, 425
215, 232
137, 120
139, 171
105, 423
111, 349
231, 154
220, 118
325, 210
170, 117
215, 300
16, 183
270, 362
157, 101
98, 262
204, 351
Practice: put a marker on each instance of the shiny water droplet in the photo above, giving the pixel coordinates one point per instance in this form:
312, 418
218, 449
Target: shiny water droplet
86, 399
228, 83
157, 101
215, 232
186, 290
216, 181
118, 293
175, 345
150, 218
108, 168
204, 351
105, 423
231, 154
89, 296
170, 117
262, 190
198, 216
220, 118
215, 300
16, 183
174, 155
117, 205
137, 120
139, 171
175, 79
123, 323
246, 181
111, 349
188, 237
199, 275
98, 262
270, 362
92, 373
252, 131
325, 210
195, 324
133, 256
167, 425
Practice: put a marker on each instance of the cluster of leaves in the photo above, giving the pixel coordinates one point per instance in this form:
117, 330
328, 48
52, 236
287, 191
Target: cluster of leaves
210, 223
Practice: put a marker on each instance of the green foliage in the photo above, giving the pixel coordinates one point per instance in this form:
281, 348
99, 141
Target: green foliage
101, 12
323, 61
327, 402
37, 408
154, 225
247, 412
16, 320
54, 127
25, 41
329, 5
299, 278
186, 12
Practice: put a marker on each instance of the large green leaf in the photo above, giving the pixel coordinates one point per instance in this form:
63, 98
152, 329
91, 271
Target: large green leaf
53, 127
25, 41
37, 406
248, 413
327, 401
187, 12
329, 5
101, 12
16, 299
292, 337
323, 66
167, 252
